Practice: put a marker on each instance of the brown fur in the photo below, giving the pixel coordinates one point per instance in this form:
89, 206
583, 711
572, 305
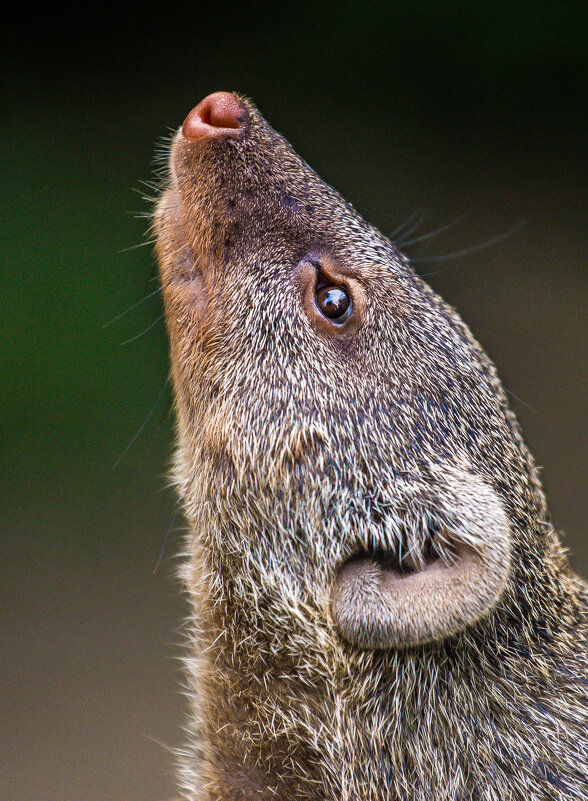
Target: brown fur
300, 445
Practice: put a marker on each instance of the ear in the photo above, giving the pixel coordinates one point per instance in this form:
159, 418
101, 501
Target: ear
380, 603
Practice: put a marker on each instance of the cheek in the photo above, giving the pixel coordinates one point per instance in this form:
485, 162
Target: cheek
185, 300
186, 315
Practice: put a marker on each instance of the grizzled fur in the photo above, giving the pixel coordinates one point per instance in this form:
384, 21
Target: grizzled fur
297, 447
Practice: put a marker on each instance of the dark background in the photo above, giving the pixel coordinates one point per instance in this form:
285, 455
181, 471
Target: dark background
408, 108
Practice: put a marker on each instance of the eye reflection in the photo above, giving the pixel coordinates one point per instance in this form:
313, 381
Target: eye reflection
334, 302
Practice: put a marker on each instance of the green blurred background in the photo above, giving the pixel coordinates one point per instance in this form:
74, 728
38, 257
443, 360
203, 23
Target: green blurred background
423, 108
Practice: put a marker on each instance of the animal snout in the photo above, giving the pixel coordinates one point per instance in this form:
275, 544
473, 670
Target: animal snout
219, 114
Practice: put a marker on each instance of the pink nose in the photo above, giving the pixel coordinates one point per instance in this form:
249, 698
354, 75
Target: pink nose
219, 114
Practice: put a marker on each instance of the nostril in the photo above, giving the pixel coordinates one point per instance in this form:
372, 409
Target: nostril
218, 114
222, 110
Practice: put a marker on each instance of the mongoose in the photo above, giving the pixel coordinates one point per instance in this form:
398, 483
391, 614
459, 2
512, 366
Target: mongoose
382, 609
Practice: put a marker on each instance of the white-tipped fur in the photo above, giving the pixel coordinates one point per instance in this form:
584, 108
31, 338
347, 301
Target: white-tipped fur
300, 447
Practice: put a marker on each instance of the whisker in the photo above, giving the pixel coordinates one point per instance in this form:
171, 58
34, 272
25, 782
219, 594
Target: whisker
134, 306
149, 184
416, 225
407, 222
167, 533
144, 196
520, 400
406, 243
142, 426
140, 245
148, 448
144, 331
467, 251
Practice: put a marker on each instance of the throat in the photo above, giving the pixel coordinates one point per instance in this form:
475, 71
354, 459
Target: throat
283, 735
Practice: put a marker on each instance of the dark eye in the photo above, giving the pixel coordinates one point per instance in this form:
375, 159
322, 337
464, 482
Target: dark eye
334, 302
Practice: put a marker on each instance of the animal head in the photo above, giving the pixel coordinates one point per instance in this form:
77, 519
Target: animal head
347, 458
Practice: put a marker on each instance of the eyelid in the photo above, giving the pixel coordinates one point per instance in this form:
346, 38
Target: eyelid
323, 280
317, 271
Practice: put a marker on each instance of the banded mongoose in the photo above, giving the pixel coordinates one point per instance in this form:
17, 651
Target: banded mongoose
382, 609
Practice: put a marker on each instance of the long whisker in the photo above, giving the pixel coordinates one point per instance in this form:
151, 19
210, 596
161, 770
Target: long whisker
142, 426
406, 243
144, 331
134, 306
520, 400
140, 245
149, 446
467, 251
167, 533
417, 214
